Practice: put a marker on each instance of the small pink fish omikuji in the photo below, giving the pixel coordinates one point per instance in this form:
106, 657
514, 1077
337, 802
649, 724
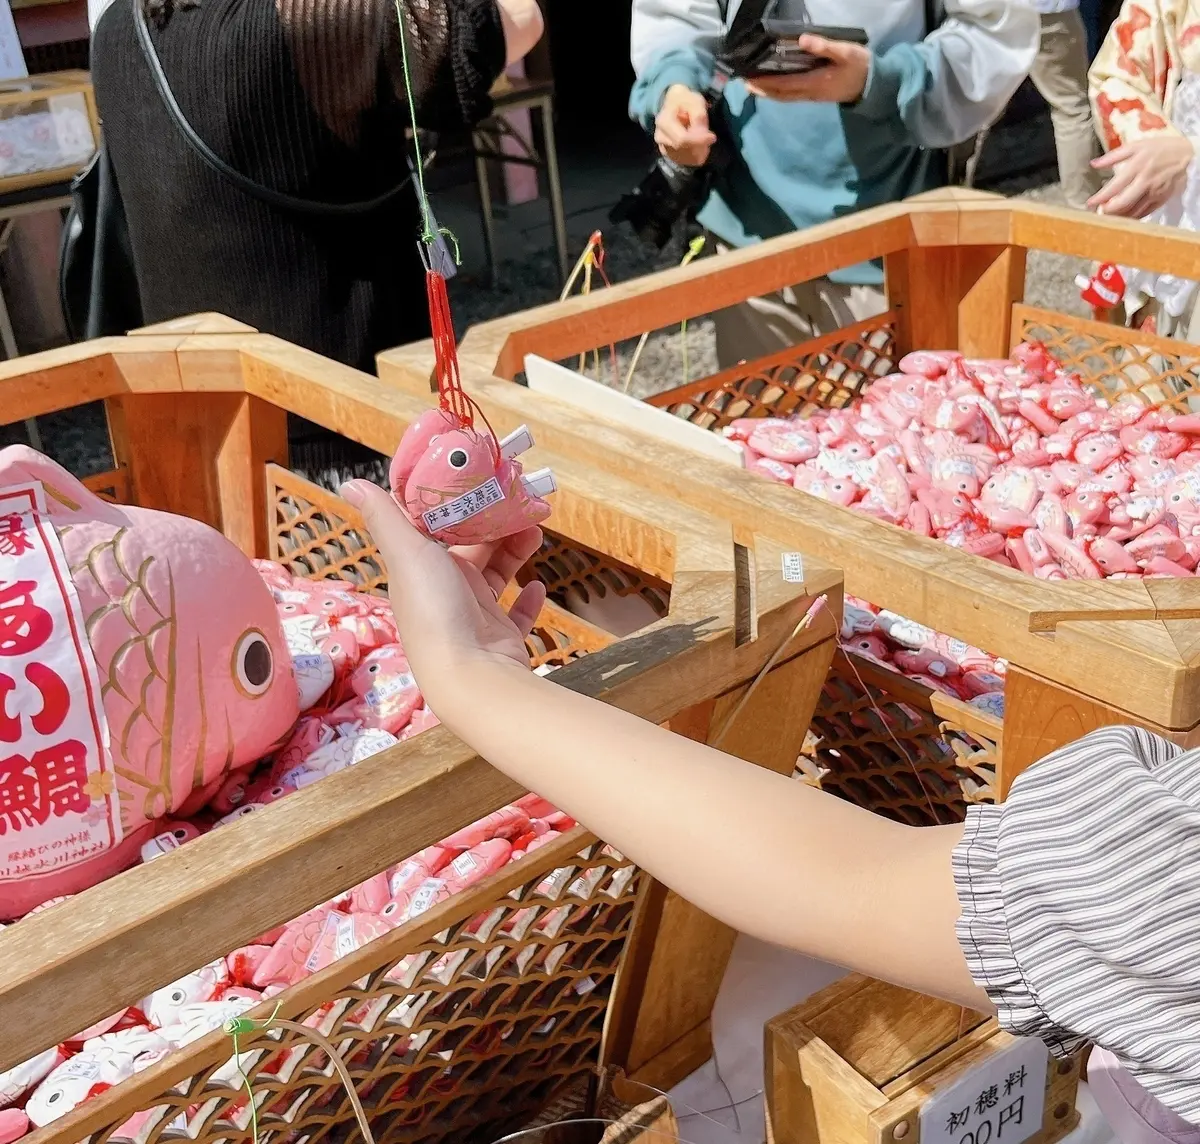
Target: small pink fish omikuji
460, 486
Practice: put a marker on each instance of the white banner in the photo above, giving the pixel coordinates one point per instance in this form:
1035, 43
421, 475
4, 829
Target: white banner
58, 798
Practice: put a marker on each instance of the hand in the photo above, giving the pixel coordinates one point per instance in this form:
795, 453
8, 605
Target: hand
681, 129
841, 80
445, 600
1148, 174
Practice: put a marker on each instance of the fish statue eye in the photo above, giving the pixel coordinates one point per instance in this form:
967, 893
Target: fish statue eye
253, 664
458, 458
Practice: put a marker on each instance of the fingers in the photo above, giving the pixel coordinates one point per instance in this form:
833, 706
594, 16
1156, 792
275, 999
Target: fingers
1116, 187
500, 562
399, 542
528, 607
1111, 158
791, 89
681, 129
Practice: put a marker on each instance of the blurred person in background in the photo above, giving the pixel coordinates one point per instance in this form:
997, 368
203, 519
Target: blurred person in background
1060, 73
307, 99
863, 130
1145, 88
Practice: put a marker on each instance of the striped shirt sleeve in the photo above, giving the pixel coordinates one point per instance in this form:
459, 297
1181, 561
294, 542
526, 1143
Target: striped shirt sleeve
1080, 902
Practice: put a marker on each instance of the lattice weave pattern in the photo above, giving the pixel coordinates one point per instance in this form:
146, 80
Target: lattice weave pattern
827, 373
894, 755
1117, 362
454, 1038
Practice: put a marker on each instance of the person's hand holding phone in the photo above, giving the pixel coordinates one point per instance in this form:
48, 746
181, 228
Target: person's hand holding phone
681, 129
841, 78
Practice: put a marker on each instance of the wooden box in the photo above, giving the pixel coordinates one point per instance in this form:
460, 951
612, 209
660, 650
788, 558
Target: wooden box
491, 1027
863, 1062
49, 129
1081, 654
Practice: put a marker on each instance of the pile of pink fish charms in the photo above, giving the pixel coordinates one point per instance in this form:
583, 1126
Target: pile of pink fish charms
939, 662
358, 698
1014, 461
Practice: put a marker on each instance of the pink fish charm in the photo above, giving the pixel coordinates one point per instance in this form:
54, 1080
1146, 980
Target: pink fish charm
1159, 541
461, 487
836, 490
1013, 487
784, 441
1110, 556
929, 363
1072, 557
1151, 441
1098, 450
774, 470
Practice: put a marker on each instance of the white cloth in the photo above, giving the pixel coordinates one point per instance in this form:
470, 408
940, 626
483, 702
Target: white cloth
986, 48
1049, 6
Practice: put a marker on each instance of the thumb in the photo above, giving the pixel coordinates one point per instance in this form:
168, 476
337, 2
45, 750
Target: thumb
400, 544
833, 50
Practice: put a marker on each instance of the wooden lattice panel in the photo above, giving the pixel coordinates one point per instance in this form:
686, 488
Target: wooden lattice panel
877, 742
567, 568
320, 537
1116, 361
827, 373
452, 1036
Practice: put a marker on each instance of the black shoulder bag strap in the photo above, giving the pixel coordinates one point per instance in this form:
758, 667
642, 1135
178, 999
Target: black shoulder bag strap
214, 161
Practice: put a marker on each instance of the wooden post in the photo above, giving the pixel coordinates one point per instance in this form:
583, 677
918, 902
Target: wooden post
1041, 716
203, 455
956, 297
659, 1024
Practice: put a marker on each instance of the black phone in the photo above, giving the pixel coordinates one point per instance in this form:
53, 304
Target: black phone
774, 49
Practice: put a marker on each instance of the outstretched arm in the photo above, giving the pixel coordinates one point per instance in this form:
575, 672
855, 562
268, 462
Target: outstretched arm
765, 854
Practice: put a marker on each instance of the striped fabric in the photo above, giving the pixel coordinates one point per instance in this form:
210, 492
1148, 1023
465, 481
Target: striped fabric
1081, 906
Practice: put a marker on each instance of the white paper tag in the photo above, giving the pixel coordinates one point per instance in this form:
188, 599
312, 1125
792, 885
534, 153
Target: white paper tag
519, 441
307, 662
345, 942
464, 865
1000, 1102
793, 567
424, 898
383, 691
463, 507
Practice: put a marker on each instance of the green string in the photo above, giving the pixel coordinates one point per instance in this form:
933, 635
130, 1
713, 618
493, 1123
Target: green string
429, 233
235, 1028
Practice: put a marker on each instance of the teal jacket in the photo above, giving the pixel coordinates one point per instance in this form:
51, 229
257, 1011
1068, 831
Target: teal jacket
806, 163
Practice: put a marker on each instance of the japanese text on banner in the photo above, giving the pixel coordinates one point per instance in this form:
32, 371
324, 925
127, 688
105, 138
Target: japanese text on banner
58, 801
1001, 1101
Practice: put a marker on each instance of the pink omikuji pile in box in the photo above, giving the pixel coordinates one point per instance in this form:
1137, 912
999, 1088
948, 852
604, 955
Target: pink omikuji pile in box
1014, 461
358, 697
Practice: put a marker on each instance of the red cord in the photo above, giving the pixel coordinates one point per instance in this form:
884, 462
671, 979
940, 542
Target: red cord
451, 395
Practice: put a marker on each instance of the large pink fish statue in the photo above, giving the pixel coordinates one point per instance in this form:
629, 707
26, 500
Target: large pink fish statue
141, 661
461, 486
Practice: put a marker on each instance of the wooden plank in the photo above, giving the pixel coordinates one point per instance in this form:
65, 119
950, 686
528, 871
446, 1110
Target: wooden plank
58, 379
1040, 716
550, 378
196, 324
202, 455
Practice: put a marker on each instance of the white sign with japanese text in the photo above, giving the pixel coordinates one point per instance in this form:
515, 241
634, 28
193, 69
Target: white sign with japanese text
464, 507
1000, 1102
58, 799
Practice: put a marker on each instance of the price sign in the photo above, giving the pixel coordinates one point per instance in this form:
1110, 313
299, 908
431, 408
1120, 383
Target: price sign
999, 1102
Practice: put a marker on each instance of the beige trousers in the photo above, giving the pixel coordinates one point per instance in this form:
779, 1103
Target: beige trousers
1060, 74
778, 321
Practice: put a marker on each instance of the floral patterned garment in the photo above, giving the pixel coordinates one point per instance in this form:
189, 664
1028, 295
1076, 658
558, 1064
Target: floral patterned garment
1145, 82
